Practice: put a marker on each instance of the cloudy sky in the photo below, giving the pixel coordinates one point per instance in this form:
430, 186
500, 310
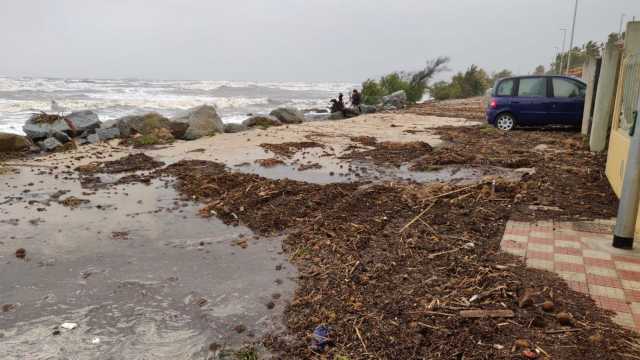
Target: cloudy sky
270, 40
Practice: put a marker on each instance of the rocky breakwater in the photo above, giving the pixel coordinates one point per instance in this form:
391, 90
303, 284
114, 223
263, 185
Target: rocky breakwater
52, 132
55, 132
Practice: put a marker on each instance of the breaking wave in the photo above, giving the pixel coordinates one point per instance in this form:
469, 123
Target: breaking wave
113, 98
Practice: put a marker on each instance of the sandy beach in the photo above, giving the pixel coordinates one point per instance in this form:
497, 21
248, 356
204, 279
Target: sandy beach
250, 240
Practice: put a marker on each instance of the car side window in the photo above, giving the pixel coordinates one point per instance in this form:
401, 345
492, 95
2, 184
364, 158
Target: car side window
505, 88
563, 88
533, 87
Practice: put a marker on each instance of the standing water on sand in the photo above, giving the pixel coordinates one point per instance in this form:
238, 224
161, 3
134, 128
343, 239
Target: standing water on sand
21, 97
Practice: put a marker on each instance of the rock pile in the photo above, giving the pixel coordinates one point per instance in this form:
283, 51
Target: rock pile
54, 132
51, 132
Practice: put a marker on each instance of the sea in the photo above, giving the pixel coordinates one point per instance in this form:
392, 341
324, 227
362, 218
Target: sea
114, 98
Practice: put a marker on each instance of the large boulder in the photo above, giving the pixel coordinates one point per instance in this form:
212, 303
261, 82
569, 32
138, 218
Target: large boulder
60, 136
50, 144
234, 128
85, 120
367, 109
41, 126
144, 124
13, 142
262, 121
121, 123
288, 115
108, 134
203, 121
398, 100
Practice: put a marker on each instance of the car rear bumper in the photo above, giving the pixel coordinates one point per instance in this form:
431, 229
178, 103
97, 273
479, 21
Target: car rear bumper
491, 116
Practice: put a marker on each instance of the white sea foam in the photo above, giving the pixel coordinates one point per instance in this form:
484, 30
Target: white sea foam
113, 98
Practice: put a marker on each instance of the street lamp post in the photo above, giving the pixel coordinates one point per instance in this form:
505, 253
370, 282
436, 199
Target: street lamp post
564, 44
573, 32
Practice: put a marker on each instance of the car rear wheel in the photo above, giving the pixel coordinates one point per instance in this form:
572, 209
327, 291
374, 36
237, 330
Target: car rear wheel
505, 122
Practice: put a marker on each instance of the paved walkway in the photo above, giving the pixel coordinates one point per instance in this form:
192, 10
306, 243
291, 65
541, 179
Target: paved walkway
582, 254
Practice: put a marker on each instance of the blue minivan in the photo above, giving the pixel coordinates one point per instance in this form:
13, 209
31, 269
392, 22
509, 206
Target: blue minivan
536, 101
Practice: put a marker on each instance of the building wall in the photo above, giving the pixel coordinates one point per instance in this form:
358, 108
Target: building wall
619, 140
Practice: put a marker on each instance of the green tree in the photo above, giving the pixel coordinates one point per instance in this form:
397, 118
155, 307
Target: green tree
500, 75
473, 82
414, 84
372, 92
540, 70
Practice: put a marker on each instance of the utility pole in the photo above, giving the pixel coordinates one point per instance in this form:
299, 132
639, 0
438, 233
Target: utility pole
564, 44
573, 33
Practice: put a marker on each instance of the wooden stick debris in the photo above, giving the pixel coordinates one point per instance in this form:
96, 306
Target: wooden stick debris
361, 340
417, 217
561, 331
478, 314
433, 204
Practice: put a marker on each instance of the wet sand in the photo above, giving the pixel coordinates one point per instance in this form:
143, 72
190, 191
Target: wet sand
136, 267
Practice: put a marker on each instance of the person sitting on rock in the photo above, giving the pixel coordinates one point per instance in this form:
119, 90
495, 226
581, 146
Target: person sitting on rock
341, 101
356, 100
336, 107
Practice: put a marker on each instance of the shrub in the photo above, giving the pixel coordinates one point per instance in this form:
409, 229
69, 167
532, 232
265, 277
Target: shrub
473, 82
372, 92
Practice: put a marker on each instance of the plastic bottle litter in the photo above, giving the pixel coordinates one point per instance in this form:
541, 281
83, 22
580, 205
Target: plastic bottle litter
321, 338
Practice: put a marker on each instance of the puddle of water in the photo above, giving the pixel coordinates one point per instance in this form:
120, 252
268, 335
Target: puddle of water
362, 171
135, 268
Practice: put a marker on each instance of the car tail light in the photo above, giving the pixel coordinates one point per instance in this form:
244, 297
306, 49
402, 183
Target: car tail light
494, 104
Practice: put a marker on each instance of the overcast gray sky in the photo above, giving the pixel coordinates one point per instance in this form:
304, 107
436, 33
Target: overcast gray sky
288, 40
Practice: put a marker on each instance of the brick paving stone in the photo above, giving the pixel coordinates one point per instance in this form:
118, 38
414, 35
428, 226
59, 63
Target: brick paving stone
573, 276
613, 281
542, 234
629, 275
569, 259
562, 266
605, 291
596, 254
632, 295
627, 266
599, 262
578, 286
540, 264
604, 281
568, 244
601, 271
635, 308
625, 320
612, 304
626, 259
539, 255
516, 238
568, 251
538, 240
630, 285
540, 247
